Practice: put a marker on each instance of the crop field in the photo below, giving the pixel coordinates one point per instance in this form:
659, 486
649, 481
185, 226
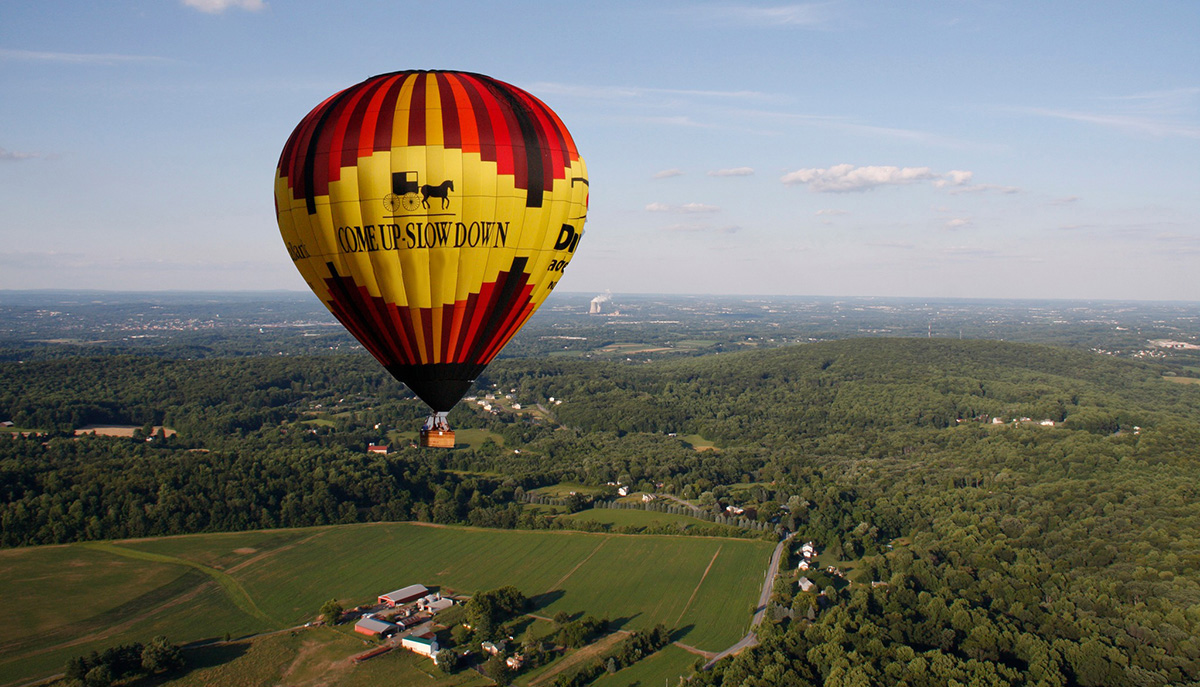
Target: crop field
201, 587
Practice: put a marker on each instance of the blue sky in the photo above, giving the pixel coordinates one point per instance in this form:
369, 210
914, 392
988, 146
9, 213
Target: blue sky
930, 149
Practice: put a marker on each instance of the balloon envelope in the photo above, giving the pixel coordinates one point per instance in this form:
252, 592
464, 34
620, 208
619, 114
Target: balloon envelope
432, 212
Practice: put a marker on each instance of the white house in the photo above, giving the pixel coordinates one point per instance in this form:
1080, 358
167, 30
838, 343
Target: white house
806, 585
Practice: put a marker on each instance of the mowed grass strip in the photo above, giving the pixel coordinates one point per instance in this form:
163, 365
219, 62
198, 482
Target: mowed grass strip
236, 594
219, 550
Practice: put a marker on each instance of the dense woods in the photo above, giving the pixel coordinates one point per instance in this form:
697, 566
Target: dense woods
1003, 552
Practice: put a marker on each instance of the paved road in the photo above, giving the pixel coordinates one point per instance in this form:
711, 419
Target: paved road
751, 639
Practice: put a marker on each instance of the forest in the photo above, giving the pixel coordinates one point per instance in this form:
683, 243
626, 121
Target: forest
1019, 513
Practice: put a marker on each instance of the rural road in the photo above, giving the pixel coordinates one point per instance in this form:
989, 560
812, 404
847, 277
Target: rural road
751, 639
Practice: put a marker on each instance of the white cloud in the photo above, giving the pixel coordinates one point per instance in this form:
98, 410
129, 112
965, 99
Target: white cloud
845, 177
734, 172
219, 6
1162, 114
831, 211
75, 58
955, 177
1065, 201
685, 209
958, 223
15, 156
668, 173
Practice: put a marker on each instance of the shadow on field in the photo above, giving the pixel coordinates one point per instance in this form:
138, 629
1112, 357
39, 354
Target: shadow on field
680, 632
540, 601
196, 658
205, 656
619, 623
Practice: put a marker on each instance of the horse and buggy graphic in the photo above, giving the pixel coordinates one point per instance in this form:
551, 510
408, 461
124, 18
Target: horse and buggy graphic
410, 195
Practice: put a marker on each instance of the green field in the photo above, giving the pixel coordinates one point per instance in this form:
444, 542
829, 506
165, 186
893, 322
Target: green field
75, 599
636, 517
665, 666
698, 442
78, 598
564, 489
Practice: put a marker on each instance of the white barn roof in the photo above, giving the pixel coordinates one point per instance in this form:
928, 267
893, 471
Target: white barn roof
412, 591
373, 625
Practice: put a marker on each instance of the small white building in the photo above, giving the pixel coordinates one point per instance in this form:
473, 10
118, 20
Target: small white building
623, 491
806, 585
426, 645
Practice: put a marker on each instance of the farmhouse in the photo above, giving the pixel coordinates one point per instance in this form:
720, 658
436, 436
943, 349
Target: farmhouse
403, 596
425, 644
373, 627
377, 448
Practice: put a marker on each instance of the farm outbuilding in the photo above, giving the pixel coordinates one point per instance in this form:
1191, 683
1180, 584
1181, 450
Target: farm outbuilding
424, 645
374, 628
402, 596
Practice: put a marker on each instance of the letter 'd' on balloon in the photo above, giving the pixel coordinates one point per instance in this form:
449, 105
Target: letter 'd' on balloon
432, 212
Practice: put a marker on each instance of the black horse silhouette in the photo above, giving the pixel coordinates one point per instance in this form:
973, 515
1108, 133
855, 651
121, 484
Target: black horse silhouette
442, 191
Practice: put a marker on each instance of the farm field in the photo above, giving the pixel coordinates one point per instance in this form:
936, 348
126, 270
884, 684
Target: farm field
201, 587
76, 599
665, 666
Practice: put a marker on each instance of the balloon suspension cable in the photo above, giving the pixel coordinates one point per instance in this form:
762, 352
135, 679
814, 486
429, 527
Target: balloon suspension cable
437, 421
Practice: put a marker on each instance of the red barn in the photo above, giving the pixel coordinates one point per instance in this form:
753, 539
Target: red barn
402, 596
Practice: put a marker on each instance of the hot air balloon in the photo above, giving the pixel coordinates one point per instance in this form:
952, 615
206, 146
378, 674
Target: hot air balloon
432, 212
